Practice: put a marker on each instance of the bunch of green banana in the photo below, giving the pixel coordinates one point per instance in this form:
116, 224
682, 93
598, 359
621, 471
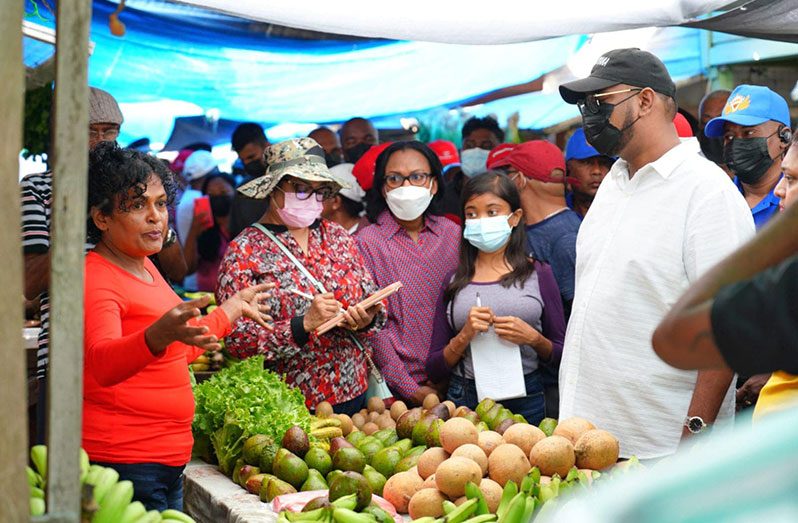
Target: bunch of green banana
326, 428
342, 510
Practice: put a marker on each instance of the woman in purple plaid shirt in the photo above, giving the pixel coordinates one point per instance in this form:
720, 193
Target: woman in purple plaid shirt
410, 242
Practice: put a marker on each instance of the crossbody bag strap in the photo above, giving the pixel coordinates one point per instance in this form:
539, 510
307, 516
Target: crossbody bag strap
316, 283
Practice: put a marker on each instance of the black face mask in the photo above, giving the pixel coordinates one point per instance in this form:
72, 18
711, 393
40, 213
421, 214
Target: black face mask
256, 168
601, 134
354, 153
711, 147
748, 158
333, 159
221, 205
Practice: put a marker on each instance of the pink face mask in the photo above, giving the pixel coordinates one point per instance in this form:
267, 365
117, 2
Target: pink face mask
299, 213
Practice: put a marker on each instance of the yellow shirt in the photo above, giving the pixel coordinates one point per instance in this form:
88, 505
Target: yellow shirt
779, 393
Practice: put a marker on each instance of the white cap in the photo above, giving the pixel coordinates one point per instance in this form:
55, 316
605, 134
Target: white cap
198, 165
343, 172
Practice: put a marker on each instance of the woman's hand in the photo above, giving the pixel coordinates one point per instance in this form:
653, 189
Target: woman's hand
323, 307
357, 318
249, 303
479, 319
516, 330
173, 326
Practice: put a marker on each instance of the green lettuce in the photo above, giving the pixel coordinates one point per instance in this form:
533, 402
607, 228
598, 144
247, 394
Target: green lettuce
253, 399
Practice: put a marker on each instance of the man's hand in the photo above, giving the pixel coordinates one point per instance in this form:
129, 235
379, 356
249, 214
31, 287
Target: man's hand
749, 392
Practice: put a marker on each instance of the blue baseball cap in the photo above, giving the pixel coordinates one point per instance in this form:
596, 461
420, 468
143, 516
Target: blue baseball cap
750, 105
577, 147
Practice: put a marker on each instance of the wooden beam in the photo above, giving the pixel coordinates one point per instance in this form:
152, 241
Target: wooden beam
68, 234
15, 506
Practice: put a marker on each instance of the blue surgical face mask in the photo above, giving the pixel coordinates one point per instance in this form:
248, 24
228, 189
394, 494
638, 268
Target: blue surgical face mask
488, 234
474, 161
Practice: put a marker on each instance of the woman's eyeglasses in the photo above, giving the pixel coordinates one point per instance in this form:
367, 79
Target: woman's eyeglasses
591, 103
304, 191
393, 181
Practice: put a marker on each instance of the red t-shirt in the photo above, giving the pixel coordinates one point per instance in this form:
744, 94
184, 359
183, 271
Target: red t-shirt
137, 408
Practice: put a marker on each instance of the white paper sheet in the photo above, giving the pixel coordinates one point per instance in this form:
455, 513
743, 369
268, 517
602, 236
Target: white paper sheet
498, 371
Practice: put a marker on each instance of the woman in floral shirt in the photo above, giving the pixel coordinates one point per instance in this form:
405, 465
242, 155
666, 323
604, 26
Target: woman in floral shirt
332, 367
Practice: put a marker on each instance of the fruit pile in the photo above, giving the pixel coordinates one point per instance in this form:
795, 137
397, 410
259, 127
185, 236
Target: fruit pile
208, 362
435, 461
104, 499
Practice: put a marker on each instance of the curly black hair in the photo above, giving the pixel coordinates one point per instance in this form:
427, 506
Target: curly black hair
117, 176
489, 123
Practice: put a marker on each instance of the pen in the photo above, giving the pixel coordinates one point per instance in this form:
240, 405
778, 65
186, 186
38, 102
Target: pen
479, 301
300, 293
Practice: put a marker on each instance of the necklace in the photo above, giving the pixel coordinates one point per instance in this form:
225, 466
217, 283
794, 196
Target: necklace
558, 211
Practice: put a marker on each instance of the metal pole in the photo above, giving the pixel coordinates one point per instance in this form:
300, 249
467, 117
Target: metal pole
68, 233
15, 506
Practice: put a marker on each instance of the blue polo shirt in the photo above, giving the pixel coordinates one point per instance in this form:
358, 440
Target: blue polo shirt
764, 210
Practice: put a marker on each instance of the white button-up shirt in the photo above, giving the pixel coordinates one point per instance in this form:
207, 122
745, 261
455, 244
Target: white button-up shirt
644, 241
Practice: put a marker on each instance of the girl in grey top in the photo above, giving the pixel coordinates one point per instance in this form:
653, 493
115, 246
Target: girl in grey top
519, 298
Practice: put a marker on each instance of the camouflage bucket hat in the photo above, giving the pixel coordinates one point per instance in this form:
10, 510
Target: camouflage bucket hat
301, 158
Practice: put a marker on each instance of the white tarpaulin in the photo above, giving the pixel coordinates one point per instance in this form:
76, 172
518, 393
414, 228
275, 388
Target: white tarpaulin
465, 22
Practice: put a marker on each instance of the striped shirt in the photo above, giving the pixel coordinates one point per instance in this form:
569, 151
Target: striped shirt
401, 348
37, 198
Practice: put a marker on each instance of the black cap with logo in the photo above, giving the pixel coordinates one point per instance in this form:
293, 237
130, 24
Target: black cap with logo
621, 66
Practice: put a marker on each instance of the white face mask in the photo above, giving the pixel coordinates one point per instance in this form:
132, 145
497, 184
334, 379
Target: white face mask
474, 161
408, 202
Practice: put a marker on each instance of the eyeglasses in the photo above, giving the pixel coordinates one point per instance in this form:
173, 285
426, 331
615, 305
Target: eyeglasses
304, 191
397, 180
592, 102
108, 134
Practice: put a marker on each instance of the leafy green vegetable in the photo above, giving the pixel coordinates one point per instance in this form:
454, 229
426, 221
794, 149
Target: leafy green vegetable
250, 397
228, 443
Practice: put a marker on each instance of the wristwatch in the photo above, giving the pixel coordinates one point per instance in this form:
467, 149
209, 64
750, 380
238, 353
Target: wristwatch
695, 424
171, 238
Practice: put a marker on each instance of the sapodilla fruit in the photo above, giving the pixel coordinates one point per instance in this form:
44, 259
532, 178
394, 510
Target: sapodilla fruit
453, 475
489, 440
456, 432
426, 502
573, 428
523, 436
596, 450
553, 455
475, 454
507, 462
400, 488
430, 460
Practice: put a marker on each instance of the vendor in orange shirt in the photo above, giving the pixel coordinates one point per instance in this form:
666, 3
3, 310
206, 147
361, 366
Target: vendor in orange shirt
139, 337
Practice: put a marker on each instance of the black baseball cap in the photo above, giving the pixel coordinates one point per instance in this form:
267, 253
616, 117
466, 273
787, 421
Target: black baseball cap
630, 66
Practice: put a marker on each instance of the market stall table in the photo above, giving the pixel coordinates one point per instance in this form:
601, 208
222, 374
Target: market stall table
210, 497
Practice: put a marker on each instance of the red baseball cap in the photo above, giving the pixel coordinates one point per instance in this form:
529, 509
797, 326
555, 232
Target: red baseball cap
498, 155
180, 160
364, 168
536, 160
683, 128
446, 152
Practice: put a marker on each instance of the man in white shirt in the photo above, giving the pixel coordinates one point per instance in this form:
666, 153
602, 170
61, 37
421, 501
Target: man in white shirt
662, 216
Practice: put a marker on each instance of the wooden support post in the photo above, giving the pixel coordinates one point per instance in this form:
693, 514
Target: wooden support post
68, 235
15, 506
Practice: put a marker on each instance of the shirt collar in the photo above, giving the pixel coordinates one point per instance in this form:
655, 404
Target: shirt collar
392, 227
665, 165
768, 201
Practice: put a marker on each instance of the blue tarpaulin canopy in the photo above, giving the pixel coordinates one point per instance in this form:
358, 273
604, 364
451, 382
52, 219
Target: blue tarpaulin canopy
177, 60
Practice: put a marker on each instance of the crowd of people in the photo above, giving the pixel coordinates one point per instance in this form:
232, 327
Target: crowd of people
571, 258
